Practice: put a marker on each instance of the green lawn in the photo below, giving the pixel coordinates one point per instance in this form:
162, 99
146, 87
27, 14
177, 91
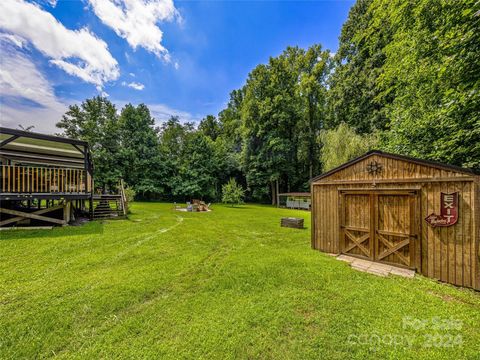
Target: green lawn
226, 284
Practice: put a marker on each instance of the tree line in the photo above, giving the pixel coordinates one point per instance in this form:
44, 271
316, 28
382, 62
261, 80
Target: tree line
405, 79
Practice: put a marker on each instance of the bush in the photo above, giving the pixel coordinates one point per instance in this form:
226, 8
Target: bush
232, 193
130, 194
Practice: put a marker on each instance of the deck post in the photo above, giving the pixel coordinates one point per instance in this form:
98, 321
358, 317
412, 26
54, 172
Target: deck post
90, 207
66, 211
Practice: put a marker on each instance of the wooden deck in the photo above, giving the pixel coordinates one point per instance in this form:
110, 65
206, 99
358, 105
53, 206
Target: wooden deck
44, 179
26, 181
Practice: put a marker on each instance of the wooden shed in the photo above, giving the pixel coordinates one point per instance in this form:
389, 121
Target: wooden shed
403, 211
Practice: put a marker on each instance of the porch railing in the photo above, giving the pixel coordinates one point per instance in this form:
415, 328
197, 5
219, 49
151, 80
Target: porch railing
27, 179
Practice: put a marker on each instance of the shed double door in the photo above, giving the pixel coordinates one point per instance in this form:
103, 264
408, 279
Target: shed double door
380, 226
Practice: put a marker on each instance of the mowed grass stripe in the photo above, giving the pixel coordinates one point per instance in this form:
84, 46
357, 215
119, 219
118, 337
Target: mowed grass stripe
226, 284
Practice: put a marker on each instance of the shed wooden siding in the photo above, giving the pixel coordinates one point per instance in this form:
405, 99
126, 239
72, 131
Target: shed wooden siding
450, 254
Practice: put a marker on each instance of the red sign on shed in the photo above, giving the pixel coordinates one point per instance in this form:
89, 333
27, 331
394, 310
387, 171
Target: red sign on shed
448, 211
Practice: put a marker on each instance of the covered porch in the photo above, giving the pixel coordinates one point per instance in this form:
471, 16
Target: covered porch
42, 174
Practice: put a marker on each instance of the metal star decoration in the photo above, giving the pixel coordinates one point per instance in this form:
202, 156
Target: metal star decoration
374, 168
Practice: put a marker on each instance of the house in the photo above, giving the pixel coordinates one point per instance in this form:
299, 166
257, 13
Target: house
47, 179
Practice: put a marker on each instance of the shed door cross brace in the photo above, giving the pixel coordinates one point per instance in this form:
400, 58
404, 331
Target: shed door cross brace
377, 236
357, 242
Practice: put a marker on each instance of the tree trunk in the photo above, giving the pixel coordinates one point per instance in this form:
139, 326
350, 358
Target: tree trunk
311, 137
274, 197
277, 192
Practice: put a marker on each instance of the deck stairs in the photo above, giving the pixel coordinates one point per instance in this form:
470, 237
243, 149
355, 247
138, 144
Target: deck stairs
108, 206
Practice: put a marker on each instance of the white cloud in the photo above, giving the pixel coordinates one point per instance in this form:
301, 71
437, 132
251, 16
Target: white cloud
136, 21
162, 113
134, 85
78, 52
14, 39
27, 96
177, 65
51, 3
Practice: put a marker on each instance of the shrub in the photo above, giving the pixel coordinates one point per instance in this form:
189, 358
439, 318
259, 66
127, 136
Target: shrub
232, 193
130, 194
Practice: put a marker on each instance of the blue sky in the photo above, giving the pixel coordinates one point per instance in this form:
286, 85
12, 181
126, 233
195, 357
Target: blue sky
180, 58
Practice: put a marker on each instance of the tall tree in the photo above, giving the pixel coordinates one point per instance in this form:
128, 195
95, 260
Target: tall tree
173, 137
315, 66
195, 164
140, 158
229, 143
433, 68
411, 68
196, 175
353, 90
210, 127
268, 121
231, 120
283, 110
96, 121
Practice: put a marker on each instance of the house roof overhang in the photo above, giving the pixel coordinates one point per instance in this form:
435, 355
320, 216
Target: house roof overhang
34, 147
